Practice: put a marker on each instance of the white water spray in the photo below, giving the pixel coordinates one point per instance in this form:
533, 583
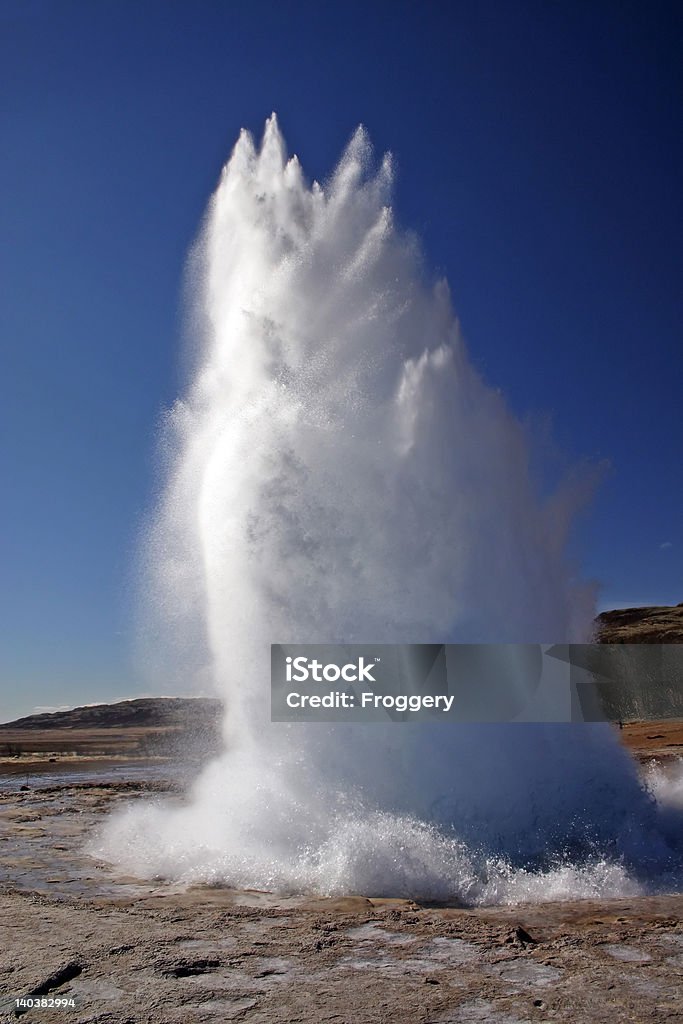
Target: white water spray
339, 472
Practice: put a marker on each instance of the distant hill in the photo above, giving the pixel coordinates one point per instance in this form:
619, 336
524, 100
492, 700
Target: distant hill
177, 727
144, 712
659, 624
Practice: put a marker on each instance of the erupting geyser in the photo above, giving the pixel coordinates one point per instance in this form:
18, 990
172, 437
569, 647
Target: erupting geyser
339, 472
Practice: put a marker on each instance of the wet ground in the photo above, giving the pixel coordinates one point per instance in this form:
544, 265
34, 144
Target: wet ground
122, 950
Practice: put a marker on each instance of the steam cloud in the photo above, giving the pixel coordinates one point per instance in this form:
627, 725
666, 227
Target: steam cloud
339, 472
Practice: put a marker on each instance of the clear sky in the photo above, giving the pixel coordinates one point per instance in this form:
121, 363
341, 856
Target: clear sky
539, 157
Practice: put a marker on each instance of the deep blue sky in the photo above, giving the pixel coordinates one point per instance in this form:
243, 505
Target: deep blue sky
539, 156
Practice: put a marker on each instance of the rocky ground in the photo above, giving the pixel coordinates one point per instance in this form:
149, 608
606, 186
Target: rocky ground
128, 951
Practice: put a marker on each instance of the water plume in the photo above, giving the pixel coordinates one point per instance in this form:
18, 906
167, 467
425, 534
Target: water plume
338, 471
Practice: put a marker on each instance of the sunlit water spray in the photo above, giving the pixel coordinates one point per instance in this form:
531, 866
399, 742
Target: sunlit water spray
339, 472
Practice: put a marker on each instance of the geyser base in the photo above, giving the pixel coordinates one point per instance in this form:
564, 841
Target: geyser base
271, 838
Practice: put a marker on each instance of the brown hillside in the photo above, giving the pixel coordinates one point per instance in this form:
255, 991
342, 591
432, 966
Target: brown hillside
659, 624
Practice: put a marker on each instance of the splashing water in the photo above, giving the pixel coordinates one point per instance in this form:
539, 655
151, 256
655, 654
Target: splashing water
339, 472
